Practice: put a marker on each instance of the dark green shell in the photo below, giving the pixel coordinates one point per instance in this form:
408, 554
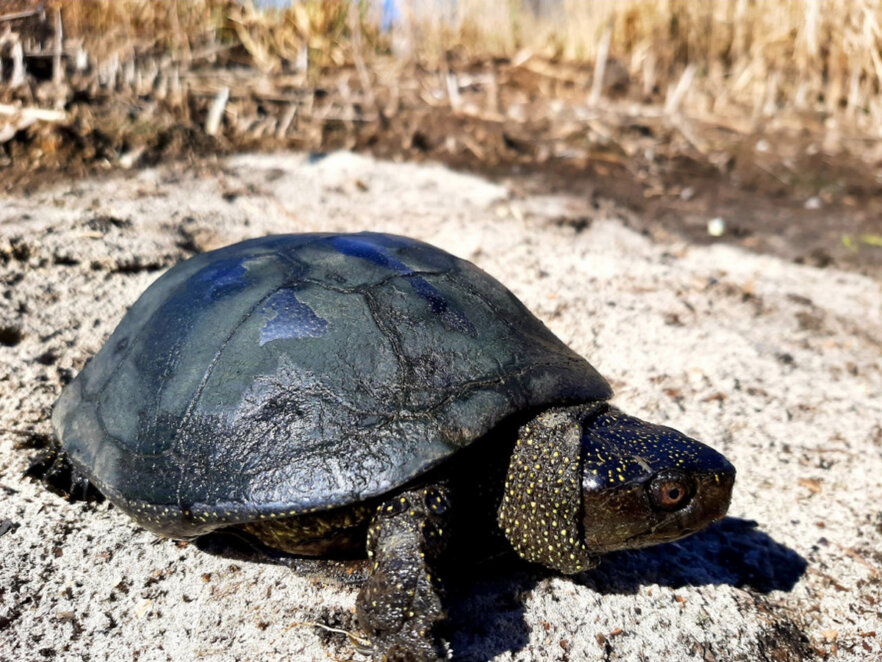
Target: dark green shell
297, 373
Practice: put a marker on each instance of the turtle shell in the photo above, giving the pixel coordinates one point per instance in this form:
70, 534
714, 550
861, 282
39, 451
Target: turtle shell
296, 373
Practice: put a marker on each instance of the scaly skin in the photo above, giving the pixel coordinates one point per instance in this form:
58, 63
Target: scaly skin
541, 506
402, 599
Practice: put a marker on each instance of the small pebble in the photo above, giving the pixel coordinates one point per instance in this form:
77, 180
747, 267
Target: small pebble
716, 227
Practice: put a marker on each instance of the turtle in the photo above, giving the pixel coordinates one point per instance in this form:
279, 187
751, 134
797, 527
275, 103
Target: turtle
370, 395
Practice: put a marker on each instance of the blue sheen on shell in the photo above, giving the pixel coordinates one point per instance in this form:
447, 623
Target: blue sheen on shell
219, 278
292, 319
376, 252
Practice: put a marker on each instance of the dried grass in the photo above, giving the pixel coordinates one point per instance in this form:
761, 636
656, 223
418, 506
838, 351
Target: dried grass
758, 56
271, 38
762, 55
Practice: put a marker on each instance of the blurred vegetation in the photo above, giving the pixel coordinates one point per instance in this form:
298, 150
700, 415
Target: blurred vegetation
760, 55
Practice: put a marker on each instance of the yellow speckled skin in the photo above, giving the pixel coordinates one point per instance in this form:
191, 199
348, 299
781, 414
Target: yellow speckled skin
541, 507
317, 534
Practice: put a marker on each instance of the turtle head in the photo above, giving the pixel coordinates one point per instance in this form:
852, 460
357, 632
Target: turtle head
644, 484
586, 480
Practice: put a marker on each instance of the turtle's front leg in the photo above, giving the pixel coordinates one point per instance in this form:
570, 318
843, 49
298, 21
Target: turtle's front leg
400, 604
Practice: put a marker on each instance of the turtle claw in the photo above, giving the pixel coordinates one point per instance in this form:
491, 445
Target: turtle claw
358, 642
361, 645
51, 467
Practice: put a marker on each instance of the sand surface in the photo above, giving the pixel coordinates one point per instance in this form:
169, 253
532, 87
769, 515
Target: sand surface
775, 364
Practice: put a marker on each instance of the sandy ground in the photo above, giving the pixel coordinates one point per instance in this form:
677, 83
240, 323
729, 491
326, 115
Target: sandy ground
776, 365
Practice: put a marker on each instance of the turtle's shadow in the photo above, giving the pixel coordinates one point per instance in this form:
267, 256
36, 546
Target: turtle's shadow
487, 614
732, 551
486, 600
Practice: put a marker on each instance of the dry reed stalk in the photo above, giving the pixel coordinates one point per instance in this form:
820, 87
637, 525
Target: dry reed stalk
675, 97
15, 118
57, 46
354, 20
600, 68
18, 66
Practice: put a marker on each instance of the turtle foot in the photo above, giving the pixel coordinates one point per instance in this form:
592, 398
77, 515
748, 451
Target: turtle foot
401, 602
52, 467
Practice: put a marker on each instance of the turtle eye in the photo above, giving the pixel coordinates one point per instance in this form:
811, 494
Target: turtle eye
670, 492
